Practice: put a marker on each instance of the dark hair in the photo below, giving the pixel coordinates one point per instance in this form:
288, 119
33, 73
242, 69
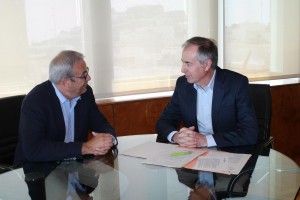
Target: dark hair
207, 49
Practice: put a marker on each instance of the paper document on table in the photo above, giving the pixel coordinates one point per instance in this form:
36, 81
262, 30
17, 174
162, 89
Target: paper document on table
147, 149
170, 155
220, 162
237, 162
175, 157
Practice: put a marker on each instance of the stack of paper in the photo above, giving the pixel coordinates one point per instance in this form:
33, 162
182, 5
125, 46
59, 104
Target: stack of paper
170, 155
220, 162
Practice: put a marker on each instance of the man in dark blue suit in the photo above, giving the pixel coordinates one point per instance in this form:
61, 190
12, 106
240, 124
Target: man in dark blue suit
57, 115
212, 104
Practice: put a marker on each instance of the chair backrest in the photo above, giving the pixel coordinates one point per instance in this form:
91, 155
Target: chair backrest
261, 98
10, 108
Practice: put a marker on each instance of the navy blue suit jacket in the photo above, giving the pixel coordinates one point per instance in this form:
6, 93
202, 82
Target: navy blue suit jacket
233, 116
42, 127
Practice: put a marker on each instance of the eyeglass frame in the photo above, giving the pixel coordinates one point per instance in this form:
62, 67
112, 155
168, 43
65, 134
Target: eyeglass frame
84, 76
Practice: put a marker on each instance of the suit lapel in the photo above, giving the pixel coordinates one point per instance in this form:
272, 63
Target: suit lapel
77, 114
193, 103
190, 97
58, 115
217, 96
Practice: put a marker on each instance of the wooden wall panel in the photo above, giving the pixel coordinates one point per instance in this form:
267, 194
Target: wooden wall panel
285, 127
108, 112
137, 117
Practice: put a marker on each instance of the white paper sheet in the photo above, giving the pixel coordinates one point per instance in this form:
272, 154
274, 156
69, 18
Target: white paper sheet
147, 149
175, 157
219, 161
170, 155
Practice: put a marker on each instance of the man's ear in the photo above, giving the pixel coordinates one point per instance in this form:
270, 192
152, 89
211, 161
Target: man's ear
64, 81
208, 64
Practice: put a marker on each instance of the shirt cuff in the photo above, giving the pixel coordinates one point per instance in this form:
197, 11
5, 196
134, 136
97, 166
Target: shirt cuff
115, 142
170, 136
210, 141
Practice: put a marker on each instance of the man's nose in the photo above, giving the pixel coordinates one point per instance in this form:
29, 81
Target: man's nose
88, 78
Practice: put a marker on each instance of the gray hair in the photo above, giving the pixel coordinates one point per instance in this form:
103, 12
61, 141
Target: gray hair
62, 64
207, 49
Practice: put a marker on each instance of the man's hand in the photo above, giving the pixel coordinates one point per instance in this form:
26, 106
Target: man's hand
201, 140
99, 144
187, 137
201, 193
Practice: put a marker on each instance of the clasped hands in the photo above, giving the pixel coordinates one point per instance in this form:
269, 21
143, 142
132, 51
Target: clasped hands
99, 144
188, 137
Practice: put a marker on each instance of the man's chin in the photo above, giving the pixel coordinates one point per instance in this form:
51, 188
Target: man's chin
84, 89
189, 80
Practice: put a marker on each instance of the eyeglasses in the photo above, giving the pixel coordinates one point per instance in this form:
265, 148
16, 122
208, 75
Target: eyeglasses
84, 75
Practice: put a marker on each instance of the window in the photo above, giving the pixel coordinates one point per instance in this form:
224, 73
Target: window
138, 44
134, 46
32, 33
263, 41
129, 45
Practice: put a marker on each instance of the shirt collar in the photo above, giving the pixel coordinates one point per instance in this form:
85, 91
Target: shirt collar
210, 84
61, 97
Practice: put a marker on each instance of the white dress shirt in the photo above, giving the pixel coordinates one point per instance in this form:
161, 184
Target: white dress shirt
204, 107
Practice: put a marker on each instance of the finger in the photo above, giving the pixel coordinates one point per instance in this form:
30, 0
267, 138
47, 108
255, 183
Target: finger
100, 149
191, 134
189, 142
107, 137
103, 148
183, 130
100, 152
94, 133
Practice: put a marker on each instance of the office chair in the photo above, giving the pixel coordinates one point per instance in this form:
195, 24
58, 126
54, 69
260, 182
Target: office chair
262, 102
10, 108
261, 99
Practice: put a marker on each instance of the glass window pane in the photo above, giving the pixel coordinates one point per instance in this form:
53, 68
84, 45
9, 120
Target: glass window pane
32, 32
147, 39
261, 38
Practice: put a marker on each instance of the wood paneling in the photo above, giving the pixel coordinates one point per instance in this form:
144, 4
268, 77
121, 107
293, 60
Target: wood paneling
108, 111
140, 116
285, 127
